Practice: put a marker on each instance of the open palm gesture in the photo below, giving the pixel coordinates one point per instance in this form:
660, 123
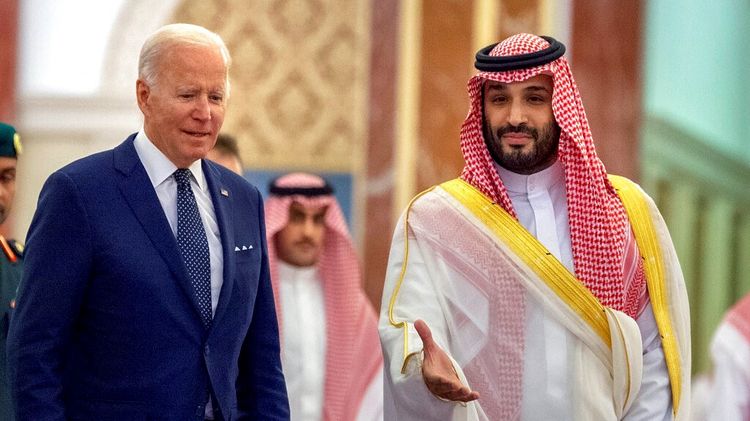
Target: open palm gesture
437, 370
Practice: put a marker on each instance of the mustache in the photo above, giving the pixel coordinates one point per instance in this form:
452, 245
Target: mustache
521, 128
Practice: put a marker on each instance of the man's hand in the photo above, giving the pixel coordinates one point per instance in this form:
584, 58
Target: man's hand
437, 370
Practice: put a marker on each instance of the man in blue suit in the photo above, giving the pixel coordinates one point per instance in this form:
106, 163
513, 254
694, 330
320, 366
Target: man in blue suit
146, 293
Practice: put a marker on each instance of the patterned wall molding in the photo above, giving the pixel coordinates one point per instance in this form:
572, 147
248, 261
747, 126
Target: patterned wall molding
299, 79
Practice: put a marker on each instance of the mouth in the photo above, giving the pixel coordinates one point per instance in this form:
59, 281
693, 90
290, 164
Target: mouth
196, 134
306, 246
516, 138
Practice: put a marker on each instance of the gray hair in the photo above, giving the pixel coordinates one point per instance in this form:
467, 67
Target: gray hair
177, 34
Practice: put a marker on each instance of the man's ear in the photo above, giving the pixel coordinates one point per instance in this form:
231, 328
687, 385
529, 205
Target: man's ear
142, 93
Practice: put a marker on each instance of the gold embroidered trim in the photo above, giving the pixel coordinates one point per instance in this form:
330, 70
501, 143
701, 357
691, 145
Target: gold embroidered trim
627, 354
645, 236
404, 324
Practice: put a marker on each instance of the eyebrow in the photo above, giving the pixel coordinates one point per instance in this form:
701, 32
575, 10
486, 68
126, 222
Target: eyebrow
504, 86
536, 88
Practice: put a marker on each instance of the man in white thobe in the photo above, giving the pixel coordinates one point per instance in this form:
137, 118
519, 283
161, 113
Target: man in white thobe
535, 286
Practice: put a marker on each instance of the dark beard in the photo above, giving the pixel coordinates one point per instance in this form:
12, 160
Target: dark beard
542, 156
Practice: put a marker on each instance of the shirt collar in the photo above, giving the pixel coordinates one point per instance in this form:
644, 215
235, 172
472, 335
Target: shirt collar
158, 167
518, 183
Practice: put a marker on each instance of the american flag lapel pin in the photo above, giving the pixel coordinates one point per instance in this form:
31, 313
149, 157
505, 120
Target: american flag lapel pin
224, 192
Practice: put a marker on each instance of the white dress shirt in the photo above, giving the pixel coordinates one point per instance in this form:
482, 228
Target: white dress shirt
540, 201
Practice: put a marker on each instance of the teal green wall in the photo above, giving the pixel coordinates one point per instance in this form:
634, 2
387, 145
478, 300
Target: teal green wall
697, 70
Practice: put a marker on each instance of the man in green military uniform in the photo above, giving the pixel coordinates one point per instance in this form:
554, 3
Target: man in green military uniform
11, 256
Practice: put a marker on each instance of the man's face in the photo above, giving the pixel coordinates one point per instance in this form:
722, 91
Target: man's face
301, 241
228, 160
7, 185
519, 126
184, 110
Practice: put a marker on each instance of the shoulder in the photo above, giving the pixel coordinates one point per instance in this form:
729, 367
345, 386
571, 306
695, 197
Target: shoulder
629, 190
94, 169
621, 182
624, 184
122, 156
91, 170
450, 193
425, 208
427, 198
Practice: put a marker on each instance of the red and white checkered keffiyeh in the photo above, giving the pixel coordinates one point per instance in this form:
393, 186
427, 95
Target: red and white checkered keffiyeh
603, 250
353, 353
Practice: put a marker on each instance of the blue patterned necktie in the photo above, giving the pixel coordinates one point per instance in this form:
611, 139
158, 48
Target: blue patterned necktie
193, 245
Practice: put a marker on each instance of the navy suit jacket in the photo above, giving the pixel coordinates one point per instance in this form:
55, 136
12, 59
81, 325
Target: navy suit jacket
107, 326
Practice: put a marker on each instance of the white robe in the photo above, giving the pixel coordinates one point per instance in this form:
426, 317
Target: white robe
567, 374
304, 347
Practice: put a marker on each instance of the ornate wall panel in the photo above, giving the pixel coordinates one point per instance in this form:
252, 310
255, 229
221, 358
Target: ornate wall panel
299, 79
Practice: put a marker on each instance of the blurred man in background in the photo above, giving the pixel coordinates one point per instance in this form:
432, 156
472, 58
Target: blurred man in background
330, 348
226, 152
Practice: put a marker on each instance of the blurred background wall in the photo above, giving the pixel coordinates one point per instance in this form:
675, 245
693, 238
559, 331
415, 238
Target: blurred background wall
371, 94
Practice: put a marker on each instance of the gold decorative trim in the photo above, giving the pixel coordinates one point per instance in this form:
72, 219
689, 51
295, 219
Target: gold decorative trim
640, 219
403, 324
627, 354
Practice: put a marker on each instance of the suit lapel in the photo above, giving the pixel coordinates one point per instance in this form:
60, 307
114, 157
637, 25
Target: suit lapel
138, 192
222, 201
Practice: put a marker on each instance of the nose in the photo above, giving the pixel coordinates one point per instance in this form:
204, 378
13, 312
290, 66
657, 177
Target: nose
202, 109
308, 227
517, 114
